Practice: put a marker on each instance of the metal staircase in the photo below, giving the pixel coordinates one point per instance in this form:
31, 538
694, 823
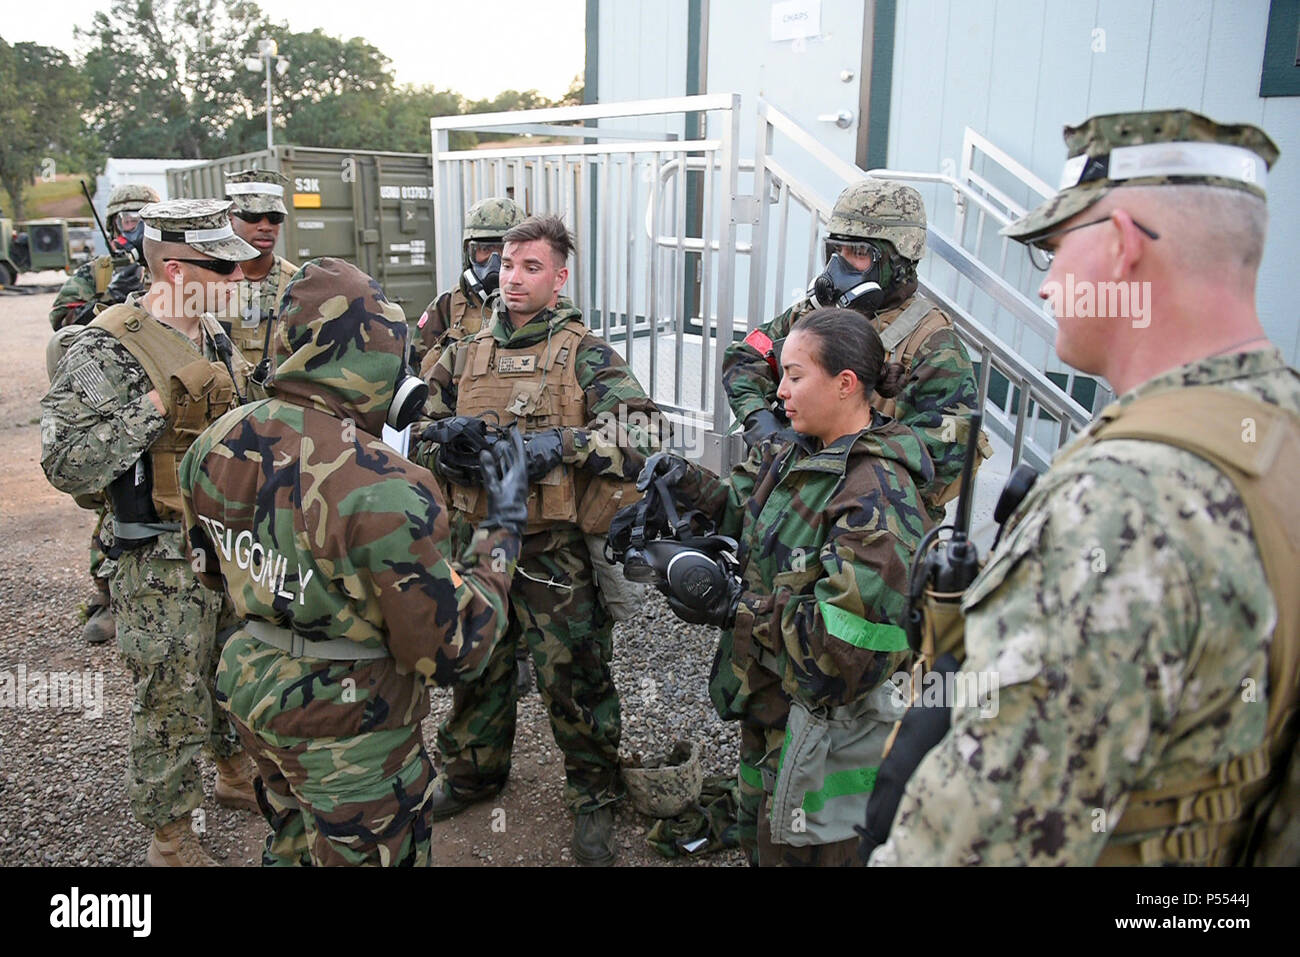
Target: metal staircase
683, 246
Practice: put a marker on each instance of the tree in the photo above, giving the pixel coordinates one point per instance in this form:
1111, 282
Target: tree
332, 93
40, 121
163, 74
168, 80
576, 92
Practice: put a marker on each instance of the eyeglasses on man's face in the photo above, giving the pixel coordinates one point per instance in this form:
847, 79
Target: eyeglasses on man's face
1041, 256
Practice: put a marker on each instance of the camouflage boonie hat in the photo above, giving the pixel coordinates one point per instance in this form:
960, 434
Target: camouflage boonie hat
1153, 148
666, 788
257, 190
201, 224
881, 209
129, 197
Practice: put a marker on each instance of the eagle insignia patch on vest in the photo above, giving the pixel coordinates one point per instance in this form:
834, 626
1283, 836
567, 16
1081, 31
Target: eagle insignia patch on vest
509, 365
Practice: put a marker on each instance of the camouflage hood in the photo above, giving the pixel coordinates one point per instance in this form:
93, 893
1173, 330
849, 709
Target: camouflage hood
884, 439
340, 345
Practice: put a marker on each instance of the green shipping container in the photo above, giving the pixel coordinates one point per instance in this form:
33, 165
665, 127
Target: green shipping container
372, 209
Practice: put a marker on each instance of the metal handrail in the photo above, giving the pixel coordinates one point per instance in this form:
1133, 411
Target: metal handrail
604, 162
1038, 395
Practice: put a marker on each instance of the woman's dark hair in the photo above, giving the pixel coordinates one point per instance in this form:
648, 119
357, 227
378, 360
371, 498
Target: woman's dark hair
846, 340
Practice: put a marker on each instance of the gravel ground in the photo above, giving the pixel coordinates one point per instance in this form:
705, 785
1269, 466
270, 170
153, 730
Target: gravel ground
62, 770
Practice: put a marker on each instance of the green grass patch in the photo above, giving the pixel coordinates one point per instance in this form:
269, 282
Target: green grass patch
52, 199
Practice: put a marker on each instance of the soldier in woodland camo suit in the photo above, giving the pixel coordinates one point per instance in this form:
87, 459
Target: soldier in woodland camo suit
1141, 612
459, 312
91, 282
827, 524
334, 548
876, 238
536, 363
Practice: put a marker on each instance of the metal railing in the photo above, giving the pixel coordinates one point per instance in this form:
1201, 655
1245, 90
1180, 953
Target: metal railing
669, 244
632, 290
1023, 405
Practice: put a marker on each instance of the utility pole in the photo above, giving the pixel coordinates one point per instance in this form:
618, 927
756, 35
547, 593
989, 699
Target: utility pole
267, 51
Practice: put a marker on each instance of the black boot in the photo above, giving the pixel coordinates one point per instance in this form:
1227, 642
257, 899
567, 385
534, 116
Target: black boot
593, 838
448, 803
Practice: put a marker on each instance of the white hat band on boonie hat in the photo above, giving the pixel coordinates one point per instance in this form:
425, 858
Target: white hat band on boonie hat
242, 189
188, 235
1168, 159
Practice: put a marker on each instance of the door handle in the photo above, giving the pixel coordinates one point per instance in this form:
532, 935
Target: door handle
843, 119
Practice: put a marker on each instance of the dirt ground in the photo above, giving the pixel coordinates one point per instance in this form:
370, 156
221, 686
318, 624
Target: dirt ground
56, 810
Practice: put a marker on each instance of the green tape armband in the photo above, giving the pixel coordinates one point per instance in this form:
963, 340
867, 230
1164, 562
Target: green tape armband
857, 631
840, 784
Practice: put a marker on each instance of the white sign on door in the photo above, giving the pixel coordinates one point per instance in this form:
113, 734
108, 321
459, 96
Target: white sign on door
796, 19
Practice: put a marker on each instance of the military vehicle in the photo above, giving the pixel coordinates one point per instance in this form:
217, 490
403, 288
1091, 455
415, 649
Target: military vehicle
32, 246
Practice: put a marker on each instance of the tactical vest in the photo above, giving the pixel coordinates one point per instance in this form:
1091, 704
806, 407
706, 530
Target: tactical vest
903, 332
195, 393
537, 387
1215, 818
250, 340
460, 318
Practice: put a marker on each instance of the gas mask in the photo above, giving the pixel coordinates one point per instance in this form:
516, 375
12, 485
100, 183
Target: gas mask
677, 553
482, 278
408, 398
132, 240
841, 285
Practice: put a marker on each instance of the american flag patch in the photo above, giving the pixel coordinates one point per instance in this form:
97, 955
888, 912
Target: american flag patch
89, 377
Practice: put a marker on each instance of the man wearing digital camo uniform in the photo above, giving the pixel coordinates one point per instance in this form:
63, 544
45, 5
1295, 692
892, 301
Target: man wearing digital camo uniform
256, 217
1141, 612
93, 287
126, 401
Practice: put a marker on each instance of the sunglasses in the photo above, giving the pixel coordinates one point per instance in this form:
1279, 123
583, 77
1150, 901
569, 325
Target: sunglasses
275, 219
222, 267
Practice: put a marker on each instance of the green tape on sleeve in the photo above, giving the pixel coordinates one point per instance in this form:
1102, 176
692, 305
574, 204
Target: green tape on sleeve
857, 631
751, 776
840, 784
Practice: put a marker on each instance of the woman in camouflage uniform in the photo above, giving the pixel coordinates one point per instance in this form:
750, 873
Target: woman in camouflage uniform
827, 526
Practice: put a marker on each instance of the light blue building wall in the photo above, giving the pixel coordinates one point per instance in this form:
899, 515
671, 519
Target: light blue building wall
1017, 71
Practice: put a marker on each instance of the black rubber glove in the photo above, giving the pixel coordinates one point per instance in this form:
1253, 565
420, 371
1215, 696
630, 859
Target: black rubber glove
460, 439
721, 612
671, 468
505, 477
85, 314
544, 450
761, 425
125, 281
922, 729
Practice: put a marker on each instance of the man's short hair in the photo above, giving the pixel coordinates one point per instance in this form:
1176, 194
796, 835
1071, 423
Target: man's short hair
1216, 230
549, 229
